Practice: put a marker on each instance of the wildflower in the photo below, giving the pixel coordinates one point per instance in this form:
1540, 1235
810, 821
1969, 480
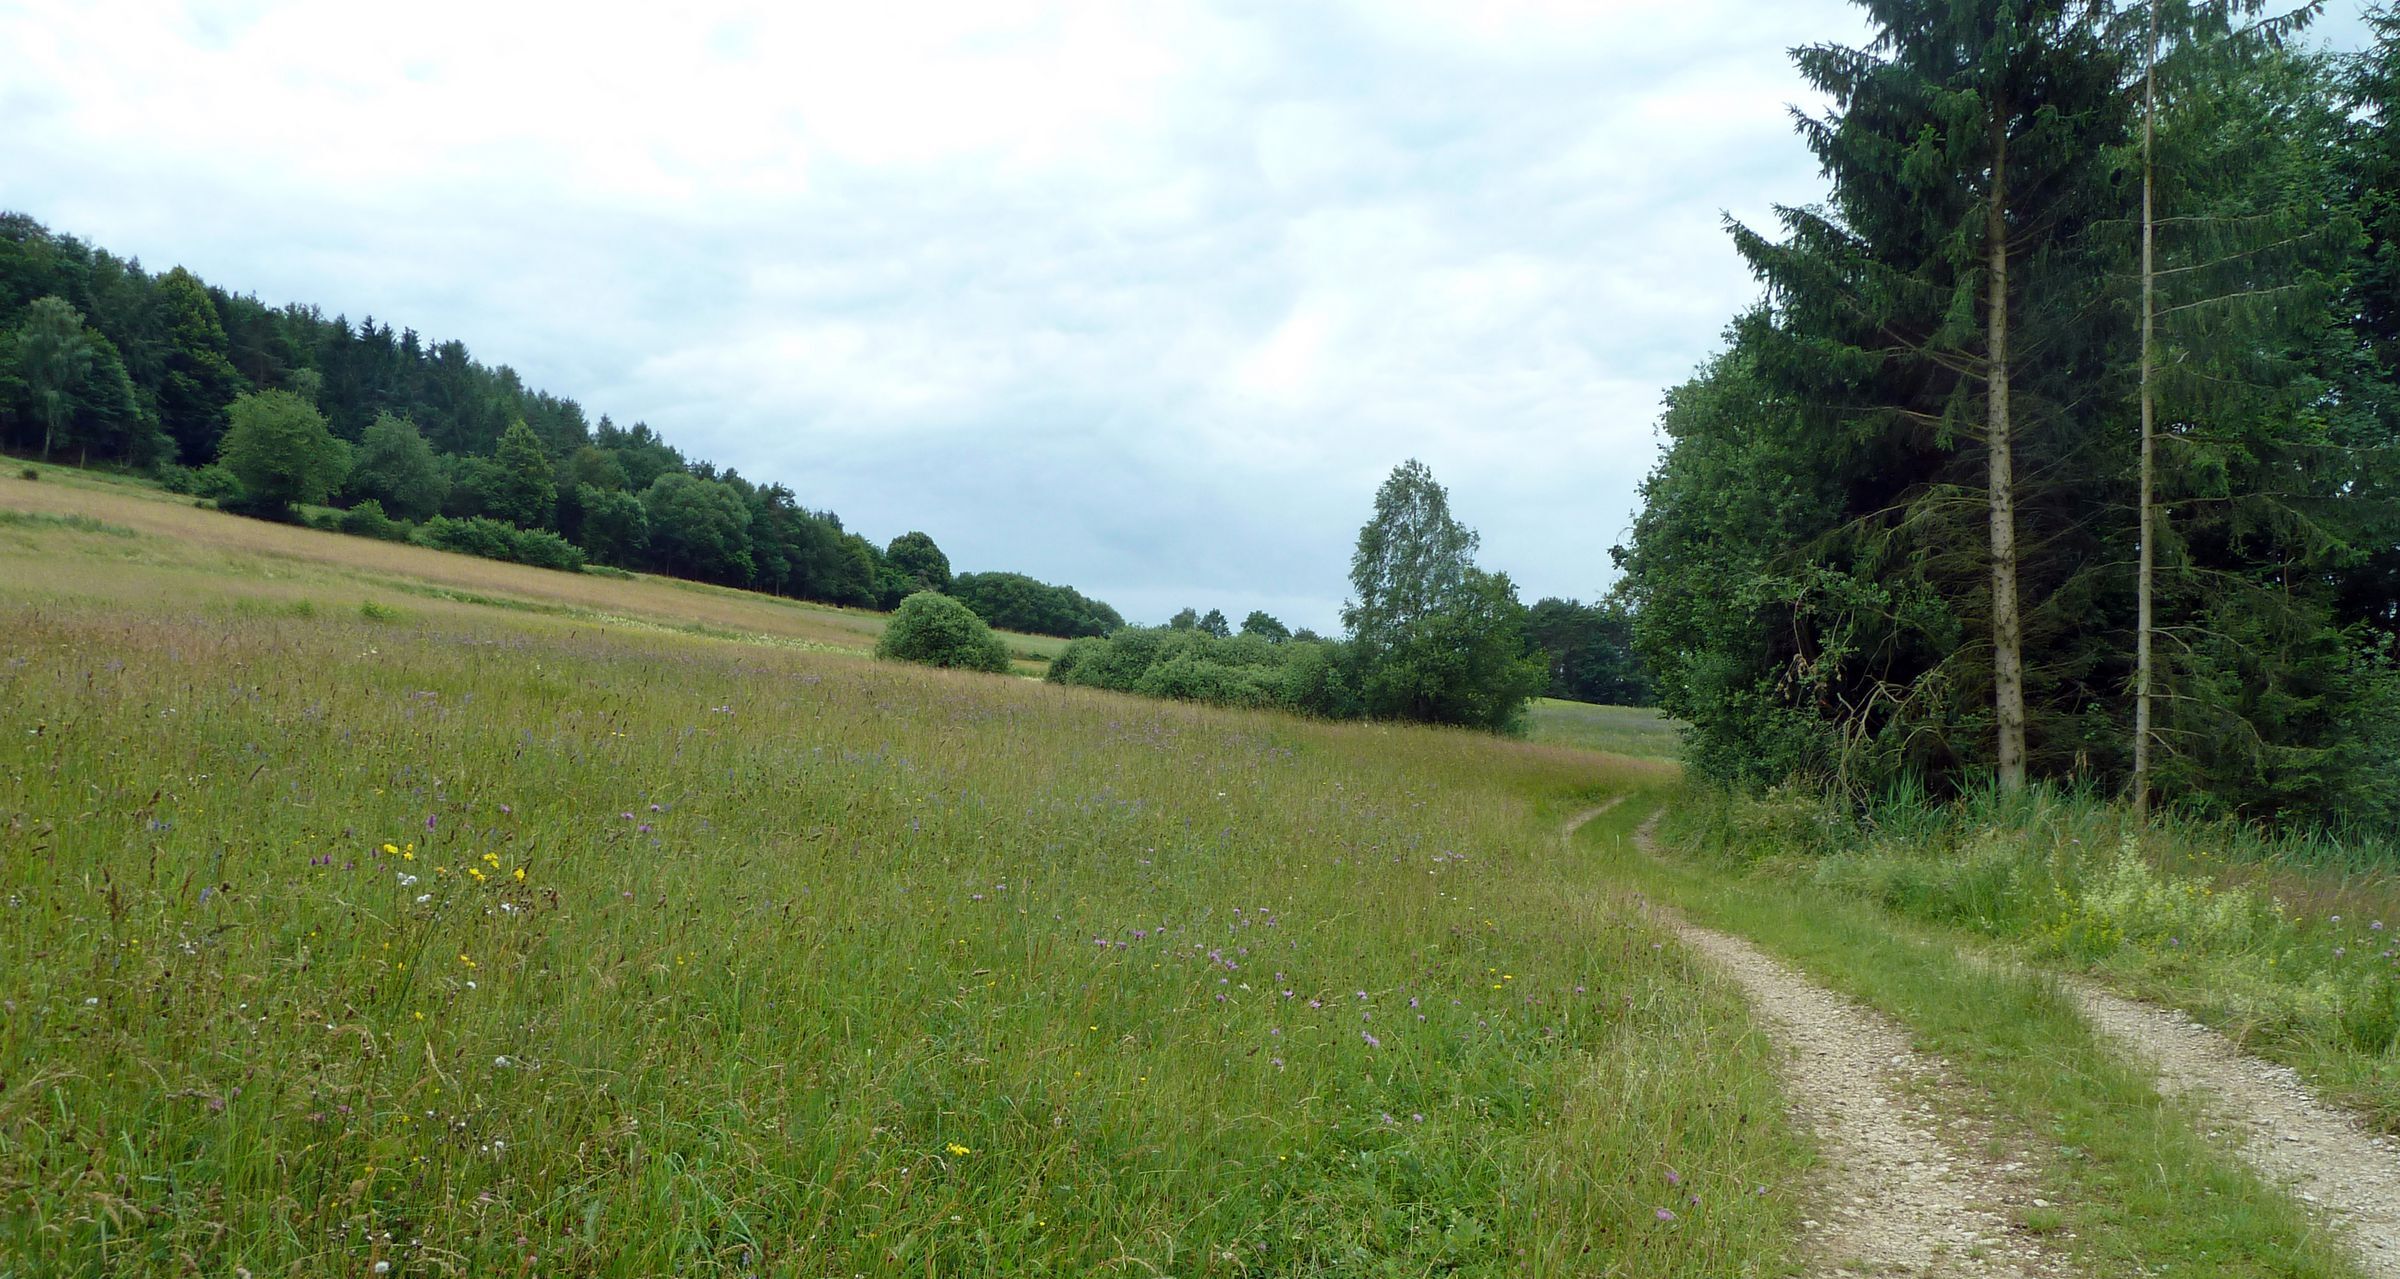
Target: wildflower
1665, 1215
406, 879
956, 1149
477, 872
389, 849
1372, 1041
1674, 1178
520, 874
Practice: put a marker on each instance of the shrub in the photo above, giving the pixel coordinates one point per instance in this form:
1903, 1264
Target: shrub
368, 520
216, 484
500, 540
935, 630
1190, 664
30, 473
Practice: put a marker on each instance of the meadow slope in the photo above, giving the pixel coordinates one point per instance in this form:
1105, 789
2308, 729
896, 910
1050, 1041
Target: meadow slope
351, 926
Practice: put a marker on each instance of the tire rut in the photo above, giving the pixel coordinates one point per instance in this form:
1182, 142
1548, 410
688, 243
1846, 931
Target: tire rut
1905, 1187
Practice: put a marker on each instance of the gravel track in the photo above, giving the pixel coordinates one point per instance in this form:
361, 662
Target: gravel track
1906, 1186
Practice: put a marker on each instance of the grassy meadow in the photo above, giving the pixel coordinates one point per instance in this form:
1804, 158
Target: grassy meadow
1621, 730
373, 911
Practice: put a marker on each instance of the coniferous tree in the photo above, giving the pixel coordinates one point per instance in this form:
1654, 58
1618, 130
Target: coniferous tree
527, 492
198, 381
1940, 320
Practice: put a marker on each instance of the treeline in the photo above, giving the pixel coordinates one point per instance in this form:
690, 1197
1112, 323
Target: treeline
2062, 446
101, 361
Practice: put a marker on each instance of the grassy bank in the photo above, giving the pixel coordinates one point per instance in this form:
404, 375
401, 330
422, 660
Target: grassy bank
348, 924
2133, 1188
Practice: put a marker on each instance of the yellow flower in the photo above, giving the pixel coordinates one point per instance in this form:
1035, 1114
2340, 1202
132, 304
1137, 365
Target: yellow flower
406, 857
493, 858
520, 874
477, 872
389, 848
468, 962
957, 1149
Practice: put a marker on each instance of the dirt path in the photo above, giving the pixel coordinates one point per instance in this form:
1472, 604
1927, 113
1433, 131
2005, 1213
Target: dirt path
1908, 1190
2349, 1175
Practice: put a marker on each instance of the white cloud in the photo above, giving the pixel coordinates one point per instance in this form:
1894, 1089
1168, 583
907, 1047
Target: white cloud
1146, 298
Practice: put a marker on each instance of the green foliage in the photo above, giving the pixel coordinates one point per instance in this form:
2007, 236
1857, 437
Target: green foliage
920, 564
1436, 638
1015, 602
1810, 580
280, 450
1185, 620
1263, 625
198, 384
932, 629
698, 528
367, 519
500, 540
526, 491
615, 528
397, 468
52, 357
1589, 651
68, 381
1192, 665
590, 467
1214, 623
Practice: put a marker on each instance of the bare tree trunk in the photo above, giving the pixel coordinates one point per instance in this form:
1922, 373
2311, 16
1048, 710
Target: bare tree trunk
2142, 594
2008, 658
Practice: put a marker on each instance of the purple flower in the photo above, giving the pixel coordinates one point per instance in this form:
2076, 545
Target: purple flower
1316, 1003
1418, 1117
1674, 1178
1665, 1215
1372, 1041
505, 810
644, 828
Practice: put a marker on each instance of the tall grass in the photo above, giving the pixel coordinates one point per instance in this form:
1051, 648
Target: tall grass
463, 941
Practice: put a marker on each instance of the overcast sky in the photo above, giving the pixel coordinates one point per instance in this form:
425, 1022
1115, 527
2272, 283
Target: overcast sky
1142, 297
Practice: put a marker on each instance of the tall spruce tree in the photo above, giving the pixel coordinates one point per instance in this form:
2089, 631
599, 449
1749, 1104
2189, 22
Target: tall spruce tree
1939, 322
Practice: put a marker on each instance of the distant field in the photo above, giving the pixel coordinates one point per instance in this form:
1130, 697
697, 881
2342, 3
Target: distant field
366, 905
285, 561
1625, 730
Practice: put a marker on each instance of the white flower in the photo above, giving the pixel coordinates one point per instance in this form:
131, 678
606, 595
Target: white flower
423, 898
407, 879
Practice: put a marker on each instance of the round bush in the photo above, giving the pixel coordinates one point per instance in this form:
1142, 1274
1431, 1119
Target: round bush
936, 630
